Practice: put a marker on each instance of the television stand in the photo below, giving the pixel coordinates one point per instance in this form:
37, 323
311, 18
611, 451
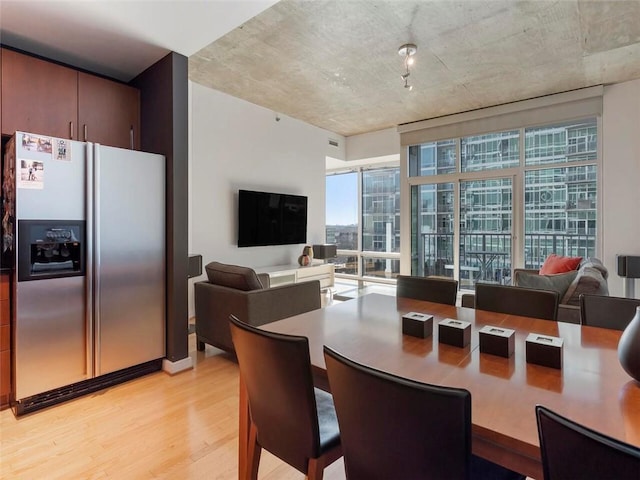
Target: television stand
285, 274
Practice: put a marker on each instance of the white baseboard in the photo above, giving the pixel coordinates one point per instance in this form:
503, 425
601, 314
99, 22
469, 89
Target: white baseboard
176, 367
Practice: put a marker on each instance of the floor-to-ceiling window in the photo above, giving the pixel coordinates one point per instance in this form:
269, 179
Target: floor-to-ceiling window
560, 190
363, 220
481, 203
342, 225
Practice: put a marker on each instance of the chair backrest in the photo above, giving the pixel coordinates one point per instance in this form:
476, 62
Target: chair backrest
431, 289
570, 451
276, 370
233, 276
468, 300
391, 427
528, 302
607, 312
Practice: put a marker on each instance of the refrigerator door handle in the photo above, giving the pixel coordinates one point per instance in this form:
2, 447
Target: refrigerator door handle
89, 314
96, 257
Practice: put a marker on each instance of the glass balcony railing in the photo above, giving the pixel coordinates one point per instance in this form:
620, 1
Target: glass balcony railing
487, 256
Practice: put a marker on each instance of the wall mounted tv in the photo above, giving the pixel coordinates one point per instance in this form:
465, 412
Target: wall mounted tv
271, 219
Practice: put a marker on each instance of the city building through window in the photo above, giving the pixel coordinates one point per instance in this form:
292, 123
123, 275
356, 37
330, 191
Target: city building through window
363, 220
479, 201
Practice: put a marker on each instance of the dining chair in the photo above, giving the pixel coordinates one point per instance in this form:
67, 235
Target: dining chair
288, 416
468, 300
570, 451
393, 427
527, 302
431, 289
607, 312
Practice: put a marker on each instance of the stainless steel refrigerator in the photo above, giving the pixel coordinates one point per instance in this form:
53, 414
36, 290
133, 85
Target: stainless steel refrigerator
89, 278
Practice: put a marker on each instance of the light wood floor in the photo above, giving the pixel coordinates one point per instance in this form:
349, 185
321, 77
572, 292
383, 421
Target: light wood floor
158, 426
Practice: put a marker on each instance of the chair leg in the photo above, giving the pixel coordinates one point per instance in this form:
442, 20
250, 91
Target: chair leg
315, 469
253, 456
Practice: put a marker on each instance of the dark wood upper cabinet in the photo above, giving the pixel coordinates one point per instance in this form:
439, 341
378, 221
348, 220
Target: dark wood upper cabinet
38, 96
108, 112
50, 99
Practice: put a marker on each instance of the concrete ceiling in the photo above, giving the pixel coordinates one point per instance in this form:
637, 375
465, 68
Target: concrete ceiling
335, 63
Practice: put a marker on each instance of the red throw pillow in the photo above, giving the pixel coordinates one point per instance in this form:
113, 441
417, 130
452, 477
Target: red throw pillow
559, 264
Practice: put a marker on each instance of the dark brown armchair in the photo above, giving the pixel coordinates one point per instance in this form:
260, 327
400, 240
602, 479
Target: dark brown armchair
235, 290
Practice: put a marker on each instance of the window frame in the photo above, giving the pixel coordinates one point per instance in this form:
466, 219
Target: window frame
361, 254
517, 174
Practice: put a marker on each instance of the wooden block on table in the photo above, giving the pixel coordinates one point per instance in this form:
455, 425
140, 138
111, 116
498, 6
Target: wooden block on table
417, 324
454, 332
544, 350
497, 341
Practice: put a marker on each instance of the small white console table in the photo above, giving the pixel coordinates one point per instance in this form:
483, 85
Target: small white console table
284, 274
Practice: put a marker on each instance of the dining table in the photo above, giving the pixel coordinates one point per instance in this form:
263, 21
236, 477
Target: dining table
590, 388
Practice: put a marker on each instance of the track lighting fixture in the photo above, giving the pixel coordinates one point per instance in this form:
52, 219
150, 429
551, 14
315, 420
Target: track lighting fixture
408, 50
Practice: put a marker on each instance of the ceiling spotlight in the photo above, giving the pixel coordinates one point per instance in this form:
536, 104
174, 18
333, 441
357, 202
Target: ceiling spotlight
408, 50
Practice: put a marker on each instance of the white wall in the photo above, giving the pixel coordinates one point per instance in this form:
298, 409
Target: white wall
238, 145
620, 178
381, 143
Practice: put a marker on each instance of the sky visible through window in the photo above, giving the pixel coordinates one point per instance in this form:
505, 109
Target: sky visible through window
342, 199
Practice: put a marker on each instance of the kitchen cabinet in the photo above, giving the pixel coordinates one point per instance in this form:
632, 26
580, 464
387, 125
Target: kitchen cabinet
108, 112
5, 342
50, 99
38, 96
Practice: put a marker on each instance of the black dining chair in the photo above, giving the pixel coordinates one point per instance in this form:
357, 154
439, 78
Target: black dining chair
572, 451
607, 312
430, 289
468, 300
527, 302
393, 427
289, 417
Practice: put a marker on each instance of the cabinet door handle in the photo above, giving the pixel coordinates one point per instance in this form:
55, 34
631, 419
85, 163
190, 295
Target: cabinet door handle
131, 137
85, 132
71, 130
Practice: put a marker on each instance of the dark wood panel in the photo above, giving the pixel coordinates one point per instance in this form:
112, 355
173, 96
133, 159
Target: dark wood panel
4, 286
5, 317
38, 96
5, 338
108, 111
164, 117
5, 341
5, 378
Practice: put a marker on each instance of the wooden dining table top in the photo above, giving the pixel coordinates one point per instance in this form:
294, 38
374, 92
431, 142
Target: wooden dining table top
591, 388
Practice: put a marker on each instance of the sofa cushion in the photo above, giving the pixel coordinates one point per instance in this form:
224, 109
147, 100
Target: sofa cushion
590, 280
597, 264
233, 276
559, 264
559, 282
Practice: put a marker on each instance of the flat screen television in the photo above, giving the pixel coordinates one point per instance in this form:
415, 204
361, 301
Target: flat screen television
271, 219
